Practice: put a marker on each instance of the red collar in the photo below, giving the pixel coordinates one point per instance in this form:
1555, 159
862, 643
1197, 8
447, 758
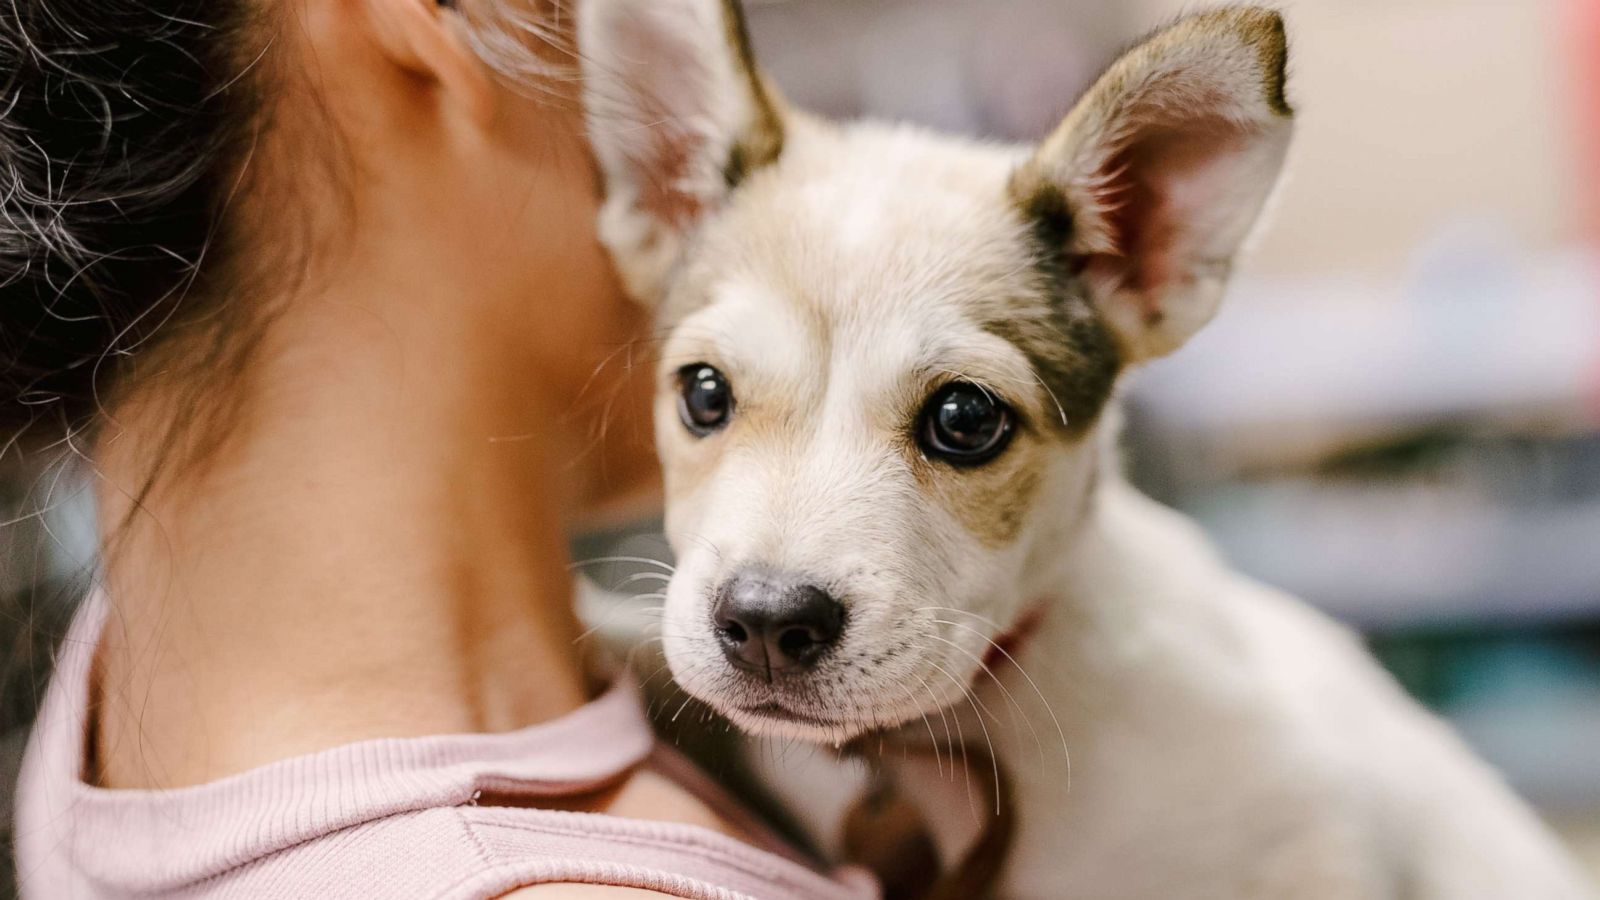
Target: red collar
1004, 649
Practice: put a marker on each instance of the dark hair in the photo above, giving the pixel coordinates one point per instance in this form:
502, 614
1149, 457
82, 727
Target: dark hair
126, 130
121, 125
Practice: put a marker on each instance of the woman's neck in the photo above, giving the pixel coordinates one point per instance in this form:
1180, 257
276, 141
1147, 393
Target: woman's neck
377, 549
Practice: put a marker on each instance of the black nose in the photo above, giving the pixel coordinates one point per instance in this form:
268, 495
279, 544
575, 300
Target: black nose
773, 624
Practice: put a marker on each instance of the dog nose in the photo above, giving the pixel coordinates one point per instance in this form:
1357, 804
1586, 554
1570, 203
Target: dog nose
771, 624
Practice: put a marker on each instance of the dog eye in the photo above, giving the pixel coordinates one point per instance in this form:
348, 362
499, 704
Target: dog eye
964, 424
704, 399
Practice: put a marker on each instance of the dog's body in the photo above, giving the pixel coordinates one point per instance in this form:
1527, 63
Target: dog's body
886, 418
1227, 742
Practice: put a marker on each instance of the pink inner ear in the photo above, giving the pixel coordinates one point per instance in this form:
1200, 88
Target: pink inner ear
1165, 193
662, 93
668, 157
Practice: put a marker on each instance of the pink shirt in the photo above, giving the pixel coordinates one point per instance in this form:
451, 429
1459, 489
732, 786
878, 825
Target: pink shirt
382, 818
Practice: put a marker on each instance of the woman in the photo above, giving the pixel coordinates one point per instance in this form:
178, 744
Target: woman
312, 287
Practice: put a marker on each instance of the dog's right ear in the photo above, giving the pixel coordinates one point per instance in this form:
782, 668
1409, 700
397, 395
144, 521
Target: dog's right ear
1154, 179
677, 115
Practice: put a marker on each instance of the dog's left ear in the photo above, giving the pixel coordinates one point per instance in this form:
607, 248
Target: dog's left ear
1157, 175
677, 116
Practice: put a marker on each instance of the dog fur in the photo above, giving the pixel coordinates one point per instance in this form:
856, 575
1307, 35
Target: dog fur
1225, 741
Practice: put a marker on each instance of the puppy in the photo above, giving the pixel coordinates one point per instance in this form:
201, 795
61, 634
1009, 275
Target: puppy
886, 418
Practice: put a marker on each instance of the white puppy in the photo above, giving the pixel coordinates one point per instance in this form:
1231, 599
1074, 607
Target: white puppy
886, 419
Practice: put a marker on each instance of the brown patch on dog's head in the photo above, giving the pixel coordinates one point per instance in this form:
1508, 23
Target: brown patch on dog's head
992, 504
1072, 350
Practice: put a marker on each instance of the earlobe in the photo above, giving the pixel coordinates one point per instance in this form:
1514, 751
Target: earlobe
423, 38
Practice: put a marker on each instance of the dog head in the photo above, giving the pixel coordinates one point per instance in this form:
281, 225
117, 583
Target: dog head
885, 352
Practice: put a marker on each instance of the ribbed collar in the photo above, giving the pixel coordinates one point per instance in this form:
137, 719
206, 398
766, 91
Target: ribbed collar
155, 838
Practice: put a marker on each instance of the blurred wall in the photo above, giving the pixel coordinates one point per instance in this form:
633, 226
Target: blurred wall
1414, 114
1417, 113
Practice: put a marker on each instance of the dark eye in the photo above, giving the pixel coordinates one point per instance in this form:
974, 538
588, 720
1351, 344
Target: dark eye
964, 424
704, 400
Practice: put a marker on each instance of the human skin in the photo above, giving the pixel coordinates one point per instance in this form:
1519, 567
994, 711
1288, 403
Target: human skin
375, 545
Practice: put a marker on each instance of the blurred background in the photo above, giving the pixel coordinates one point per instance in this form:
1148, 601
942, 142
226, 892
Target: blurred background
1397, 414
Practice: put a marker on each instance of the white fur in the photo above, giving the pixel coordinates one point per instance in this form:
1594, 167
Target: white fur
1229, 742
1225, 741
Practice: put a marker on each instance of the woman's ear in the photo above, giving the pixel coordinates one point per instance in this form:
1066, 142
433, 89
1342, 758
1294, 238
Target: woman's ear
677, 115
423, 38
1157, 175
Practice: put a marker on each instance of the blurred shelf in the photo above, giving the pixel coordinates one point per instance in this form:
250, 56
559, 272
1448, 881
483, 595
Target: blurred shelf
1405, 454
1387, 557
1289, 373
1535, 737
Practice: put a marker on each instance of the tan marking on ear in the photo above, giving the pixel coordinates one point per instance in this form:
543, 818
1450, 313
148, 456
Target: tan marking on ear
1264, 30
1038, 192
1258, 27
678, 114
762, 141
